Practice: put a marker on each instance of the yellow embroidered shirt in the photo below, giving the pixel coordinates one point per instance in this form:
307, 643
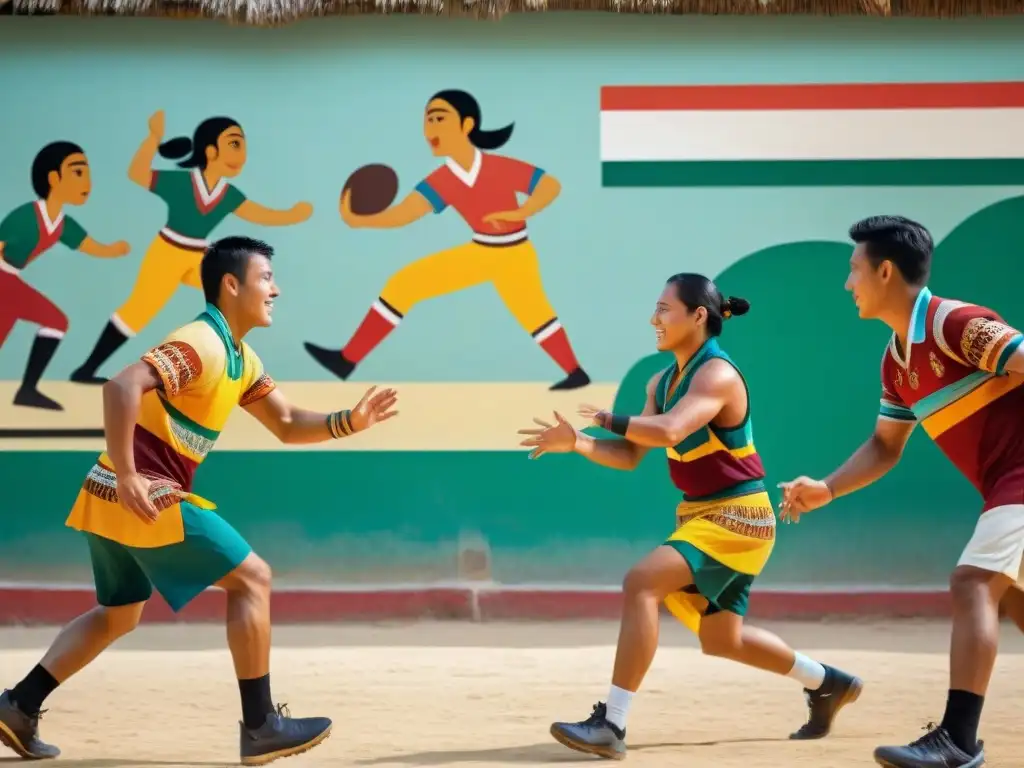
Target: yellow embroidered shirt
204, 375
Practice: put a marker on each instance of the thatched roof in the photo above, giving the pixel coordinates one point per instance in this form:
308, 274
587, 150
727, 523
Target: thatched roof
270, 12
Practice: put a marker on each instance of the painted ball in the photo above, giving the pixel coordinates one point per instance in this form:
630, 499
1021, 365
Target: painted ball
374, 187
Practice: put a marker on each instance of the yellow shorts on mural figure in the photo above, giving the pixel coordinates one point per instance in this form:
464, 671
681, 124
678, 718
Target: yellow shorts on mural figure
513, 269
726, 544
164, 267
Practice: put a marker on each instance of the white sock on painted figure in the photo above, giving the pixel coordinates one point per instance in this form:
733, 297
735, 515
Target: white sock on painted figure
810, 673
617, 705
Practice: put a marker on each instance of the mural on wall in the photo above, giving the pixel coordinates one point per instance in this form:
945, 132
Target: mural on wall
482, 187
60, 177
198, 198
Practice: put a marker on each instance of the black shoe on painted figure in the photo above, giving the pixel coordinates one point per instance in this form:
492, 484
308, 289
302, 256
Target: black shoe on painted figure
577, 379
281, 736
933, 750
837, 690
595, 735
331, 359
20, 731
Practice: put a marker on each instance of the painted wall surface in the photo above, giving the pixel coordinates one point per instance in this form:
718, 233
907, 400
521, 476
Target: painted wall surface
319, 99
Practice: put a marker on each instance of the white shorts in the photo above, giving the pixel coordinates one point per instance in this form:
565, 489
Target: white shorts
998, 542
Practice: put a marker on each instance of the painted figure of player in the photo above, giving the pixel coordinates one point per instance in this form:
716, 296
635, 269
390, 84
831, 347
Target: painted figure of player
955, 368
698, 411
144, 525
198, 198
60, 177
482, 187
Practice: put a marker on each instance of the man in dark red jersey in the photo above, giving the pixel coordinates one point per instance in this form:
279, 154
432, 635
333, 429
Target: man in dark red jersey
957, 369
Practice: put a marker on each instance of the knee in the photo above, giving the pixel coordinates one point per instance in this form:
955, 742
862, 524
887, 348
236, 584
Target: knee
120, 620
637, 583
253, 577
967, 584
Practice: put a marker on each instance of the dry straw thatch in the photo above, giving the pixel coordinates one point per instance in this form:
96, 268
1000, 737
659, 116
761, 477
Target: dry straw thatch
274, 12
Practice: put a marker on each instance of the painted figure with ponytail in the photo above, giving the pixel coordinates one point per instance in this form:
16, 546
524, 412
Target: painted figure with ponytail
698, 412
198, 198
481, 187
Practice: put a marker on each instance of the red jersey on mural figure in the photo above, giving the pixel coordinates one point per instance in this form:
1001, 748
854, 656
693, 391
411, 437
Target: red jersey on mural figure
482, 187
60, 177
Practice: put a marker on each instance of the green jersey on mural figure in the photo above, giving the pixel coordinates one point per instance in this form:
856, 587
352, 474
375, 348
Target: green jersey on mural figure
482, 187
198, 198
698, 411
60, 176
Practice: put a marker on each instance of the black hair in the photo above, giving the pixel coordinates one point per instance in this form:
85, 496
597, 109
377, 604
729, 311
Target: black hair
466, 106
697, 291
228, 256
907, 244
194, 149
49, 159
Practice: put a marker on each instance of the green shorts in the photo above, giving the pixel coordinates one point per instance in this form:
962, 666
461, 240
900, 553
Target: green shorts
723, 588
180, 572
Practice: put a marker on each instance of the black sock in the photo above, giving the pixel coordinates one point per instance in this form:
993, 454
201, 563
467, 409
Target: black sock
107, 344
31, 692
256, 701
963, 713
42, 352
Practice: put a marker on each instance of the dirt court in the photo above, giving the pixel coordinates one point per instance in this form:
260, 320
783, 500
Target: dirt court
460, 694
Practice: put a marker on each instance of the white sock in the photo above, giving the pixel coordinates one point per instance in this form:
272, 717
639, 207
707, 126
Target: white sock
618, 703
810, 673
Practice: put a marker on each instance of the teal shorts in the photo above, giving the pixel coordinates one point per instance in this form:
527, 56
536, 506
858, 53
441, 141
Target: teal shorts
723, 588
180, 572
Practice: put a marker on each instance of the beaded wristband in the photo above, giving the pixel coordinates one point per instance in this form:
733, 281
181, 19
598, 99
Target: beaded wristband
339, 424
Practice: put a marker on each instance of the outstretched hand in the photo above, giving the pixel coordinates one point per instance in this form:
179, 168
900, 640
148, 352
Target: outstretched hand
373, 408
559, 437
801, 496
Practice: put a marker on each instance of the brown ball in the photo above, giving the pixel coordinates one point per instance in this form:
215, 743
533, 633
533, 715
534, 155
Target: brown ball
374, 187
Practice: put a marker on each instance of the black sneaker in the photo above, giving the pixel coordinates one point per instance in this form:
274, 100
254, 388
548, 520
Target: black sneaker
577, 379
595, 735
282, 736
837, 690
331, 359
933, 750
20, 731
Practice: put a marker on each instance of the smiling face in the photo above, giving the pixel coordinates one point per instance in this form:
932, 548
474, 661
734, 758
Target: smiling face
444, 130
868, 284
675, 325
73, 183
250, 302
228, 157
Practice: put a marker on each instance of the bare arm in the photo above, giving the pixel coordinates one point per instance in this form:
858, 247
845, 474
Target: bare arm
617, 453
288, 423
255, 213
547, 189
880, 453
294, 426
712, 387
122, 398
413, 208
101, 251
141, 169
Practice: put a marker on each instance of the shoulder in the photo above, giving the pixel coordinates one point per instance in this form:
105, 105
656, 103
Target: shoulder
201, 340
717, 374
186, 356
21, 212
655, 381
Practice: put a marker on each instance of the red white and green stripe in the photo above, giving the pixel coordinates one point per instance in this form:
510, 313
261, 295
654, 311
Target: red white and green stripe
899, 134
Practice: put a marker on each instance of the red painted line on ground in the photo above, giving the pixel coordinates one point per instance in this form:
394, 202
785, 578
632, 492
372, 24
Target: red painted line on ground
35, 605
843, 96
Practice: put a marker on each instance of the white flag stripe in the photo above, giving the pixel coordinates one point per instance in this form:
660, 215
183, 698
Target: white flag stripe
812, 135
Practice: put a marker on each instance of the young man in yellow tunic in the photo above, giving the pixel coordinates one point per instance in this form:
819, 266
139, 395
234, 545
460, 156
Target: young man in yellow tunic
698, 410
144, 525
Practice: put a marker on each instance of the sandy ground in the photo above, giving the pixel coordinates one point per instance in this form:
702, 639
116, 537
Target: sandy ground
436, 694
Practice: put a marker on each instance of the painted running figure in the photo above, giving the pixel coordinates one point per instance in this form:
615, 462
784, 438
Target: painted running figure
698, 411
481, 186
146, 528
956, 369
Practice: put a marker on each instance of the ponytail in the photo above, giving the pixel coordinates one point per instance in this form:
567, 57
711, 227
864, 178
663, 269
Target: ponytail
490, 139
194, 150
